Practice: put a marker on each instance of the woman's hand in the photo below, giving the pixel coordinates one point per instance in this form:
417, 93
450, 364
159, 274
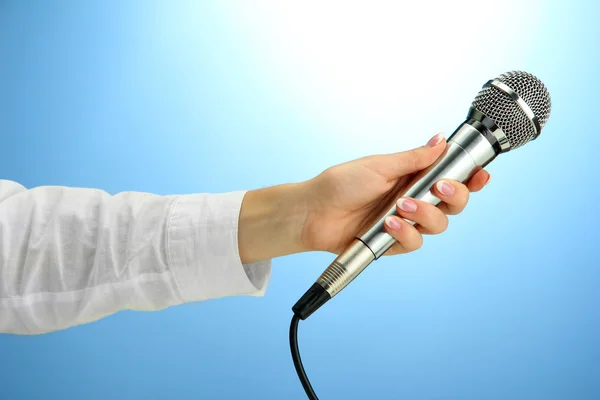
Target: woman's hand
327, 212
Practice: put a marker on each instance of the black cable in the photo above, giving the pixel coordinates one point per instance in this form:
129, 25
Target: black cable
298, 361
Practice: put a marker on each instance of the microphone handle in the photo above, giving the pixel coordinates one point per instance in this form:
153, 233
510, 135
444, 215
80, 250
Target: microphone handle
470, 148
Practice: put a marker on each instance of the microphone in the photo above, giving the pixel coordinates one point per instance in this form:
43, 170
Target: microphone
508, 112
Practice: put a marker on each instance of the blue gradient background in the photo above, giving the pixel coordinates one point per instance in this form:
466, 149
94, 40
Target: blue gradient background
184, 97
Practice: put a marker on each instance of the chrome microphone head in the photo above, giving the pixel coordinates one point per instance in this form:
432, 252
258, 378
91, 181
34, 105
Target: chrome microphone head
519, 105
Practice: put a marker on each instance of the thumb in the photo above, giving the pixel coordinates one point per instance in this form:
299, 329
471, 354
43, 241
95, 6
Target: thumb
395, 165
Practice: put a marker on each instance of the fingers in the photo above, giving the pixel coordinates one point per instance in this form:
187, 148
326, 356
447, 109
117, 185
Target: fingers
478, 181
429, 217
393, 166
454, 196
407, 237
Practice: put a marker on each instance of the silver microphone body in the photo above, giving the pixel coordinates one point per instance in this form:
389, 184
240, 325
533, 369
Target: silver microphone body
467, 151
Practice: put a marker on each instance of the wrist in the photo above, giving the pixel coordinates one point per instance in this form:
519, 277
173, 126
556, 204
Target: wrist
271, 222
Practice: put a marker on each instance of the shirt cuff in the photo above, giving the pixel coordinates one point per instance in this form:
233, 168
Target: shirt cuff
202, 249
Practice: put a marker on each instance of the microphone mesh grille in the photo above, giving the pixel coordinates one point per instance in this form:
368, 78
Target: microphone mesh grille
501, 109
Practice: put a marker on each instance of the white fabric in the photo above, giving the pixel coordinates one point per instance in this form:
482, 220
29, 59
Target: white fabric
69, 256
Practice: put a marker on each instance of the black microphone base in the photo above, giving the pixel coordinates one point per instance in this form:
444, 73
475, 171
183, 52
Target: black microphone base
311, 301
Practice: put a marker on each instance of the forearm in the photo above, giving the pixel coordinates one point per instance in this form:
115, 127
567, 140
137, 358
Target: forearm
271, 222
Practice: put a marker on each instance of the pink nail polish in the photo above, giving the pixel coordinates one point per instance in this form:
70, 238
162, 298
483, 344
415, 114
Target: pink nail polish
445, 188
407, 205
392, 222
434, 141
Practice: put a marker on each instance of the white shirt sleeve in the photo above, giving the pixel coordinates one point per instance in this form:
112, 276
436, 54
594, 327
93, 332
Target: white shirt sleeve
70, 256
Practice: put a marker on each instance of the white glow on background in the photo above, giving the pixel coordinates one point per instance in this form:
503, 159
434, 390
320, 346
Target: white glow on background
384, 70
186, 96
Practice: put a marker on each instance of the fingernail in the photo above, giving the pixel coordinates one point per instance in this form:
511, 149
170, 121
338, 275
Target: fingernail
445, 188
392, 222
434, 141
488, 180
407, 205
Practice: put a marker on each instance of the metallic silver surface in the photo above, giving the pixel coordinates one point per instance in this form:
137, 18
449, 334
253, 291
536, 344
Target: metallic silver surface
346, 267
517, 99
533, 92
467, 152
518, 103
494, 130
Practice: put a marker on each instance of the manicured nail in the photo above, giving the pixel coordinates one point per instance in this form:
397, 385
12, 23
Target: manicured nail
407, 205
445, 188
392, 222
434, 141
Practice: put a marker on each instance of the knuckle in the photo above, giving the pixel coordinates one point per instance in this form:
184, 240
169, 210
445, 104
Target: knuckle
464, 200
454, 210
467, 194
459, 201
397, 248
443, 224
330, 175
438, 219
414, 159
414, 243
